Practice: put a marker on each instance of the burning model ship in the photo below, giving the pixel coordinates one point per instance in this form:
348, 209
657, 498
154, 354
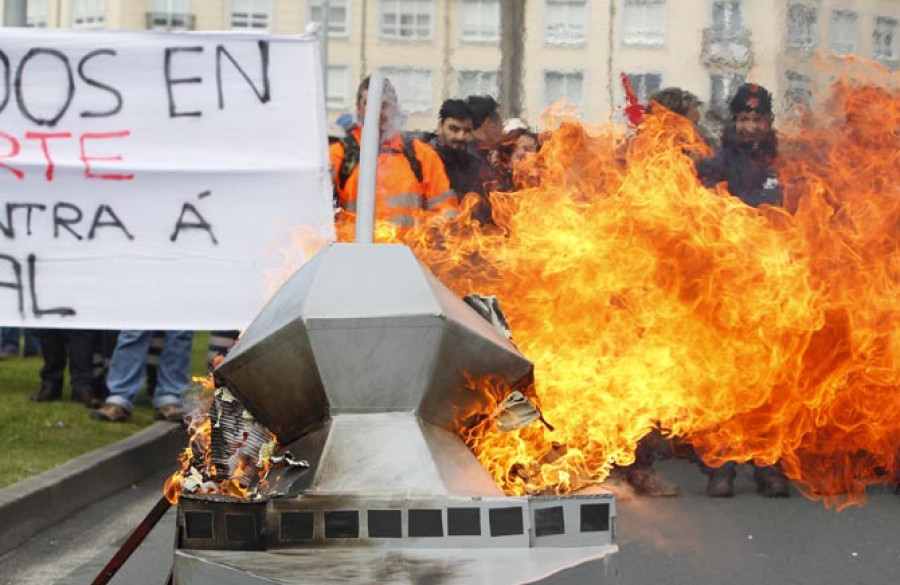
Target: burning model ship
359, 365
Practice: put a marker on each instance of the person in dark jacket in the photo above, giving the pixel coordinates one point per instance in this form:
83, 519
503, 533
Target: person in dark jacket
465, 169
487, 129
749, 148
745, 163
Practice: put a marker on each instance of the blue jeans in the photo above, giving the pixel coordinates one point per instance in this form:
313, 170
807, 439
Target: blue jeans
9, 341
127, 368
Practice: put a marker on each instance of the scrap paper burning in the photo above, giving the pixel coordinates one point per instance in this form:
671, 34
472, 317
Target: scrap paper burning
643, 298
228, 453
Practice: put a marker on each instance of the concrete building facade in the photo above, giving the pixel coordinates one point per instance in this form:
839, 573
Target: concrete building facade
574, 49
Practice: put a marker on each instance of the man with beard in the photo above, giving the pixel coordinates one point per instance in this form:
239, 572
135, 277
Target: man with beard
746, 164
749, 147
411, 179
465, 169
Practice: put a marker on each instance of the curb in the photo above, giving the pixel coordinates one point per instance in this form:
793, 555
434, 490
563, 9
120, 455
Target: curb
35, 503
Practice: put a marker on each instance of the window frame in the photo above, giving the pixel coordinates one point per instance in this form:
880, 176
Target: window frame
813, 33
348, 9
480, 40
581, 108
895, 54
729, 30
566, 41
346, 101
74, 14
37, 20
481, 73
390, 72
831, 28
649, 42
644, 95
169, 12
249, 26
397, 38
795, 84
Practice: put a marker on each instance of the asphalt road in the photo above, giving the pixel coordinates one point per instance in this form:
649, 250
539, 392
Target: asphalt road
686, 540
75, 551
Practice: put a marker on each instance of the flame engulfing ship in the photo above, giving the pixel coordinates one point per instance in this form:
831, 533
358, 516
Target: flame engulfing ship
359, 365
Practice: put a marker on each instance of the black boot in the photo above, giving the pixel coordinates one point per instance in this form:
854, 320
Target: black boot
721, 483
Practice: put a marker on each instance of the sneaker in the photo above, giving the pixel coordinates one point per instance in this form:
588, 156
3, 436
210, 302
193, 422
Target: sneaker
771, 483
721, 483
647, 482
46, 395
170, 412
111, 413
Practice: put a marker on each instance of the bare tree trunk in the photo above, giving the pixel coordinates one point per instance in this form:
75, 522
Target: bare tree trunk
512, 57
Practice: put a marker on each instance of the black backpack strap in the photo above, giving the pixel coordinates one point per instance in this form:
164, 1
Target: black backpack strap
350, 160
410, 152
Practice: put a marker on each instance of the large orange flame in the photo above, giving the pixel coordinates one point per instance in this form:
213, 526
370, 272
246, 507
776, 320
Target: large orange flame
645, 299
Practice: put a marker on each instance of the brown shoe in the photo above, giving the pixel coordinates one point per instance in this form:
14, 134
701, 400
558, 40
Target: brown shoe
85, 398
111, 413
46, 395
646, 482
771, 483
170, 412
721, 483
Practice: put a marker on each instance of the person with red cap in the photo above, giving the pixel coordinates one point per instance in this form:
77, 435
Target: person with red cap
745, 163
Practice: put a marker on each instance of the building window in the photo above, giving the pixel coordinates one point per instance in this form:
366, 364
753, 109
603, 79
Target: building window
407, 19
798, 90
802, 26
480, 21
338, 16
88, 13
473, 82
721, 87
644, 23
727, 20
885, 38
413, 85
644, 85
170, 15
565, 21
564, 84
252, 14
36, 13
338, 90
843, 32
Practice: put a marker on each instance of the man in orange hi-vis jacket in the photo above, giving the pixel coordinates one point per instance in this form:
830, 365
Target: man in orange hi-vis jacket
411, 178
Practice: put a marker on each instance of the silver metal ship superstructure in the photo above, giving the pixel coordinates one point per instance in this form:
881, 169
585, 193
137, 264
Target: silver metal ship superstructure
360, 365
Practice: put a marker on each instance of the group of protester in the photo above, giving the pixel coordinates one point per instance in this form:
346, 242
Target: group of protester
469, 155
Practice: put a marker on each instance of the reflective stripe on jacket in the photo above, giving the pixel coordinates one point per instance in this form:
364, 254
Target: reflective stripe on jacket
399, 196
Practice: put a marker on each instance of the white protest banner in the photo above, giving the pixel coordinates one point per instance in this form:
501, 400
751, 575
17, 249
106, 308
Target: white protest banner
149, 181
